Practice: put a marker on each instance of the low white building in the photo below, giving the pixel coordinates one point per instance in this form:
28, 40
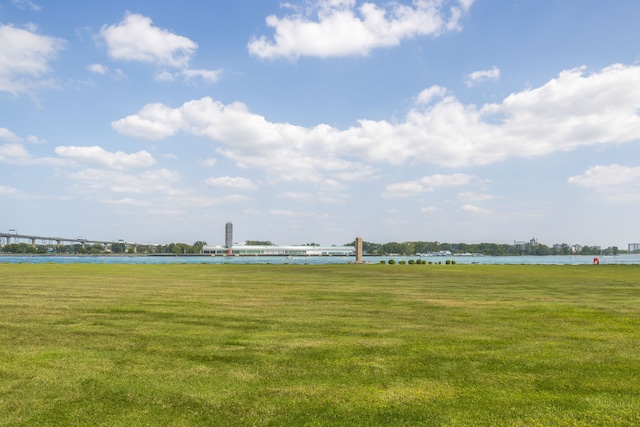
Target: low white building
258, 250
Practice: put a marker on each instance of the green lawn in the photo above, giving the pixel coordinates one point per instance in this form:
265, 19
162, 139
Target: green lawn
296, 345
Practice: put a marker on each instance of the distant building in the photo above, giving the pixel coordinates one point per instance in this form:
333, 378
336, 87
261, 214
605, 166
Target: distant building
634, 248
263, 250
228, 235
271, 250
520, 244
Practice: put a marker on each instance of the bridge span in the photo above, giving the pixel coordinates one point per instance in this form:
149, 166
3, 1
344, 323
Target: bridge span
8, 238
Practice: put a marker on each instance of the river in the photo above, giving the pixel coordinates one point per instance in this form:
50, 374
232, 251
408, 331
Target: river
145, 259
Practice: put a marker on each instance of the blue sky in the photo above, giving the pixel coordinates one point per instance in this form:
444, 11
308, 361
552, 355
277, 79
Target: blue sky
321, 120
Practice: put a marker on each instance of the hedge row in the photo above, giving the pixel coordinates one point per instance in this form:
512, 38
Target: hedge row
416, 261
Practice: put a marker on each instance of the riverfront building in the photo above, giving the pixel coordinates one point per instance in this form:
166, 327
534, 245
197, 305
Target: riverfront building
263, 250
272, 250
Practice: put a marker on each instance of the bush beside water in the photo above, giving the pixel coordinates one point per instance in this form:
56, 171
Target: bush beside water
417, 262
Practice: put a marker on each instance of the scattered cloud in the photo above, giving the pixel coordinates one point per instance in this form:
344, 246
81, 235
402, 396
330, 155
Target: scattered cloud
236, 183
9, 191
210, 163
7, 135
155, 121
475, 209
98, 68
570, 111
348, 27
25, 59
475, 197
32, 139
164, 76
426, 184
482, 76
148, 183
430, 209
153, 191
208, 76
294, 214
26, 4
317, 197
434, 92
615, 183
287, 152
97, 155
17, 154
135, 38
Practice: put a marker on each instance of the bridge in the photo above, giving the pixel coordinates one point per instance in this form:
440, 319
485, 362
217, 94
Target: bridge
8, 238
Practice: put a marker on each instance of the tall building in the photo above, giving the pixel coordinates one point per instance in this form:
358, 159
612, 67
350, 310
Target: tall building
228, 235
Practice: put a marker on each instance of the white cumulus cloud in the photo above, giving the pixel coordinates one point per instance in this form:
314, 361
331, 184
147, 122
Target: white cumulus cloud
97, 155
233, 182
209, 76
482, 76
7, 135
27, 4
25, 58
426, 184
475, 209
616, 183
16, 154
97, 68
573, 110
346, 27
135, 38
95, 181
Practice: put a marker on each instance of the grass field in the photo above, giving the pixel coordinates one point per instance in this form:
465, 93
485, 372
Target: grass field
341, 345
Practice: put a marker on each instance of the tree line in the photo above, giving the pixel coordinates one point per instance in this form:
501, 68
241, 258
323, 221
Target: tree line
396, 248
492, 249
98, 249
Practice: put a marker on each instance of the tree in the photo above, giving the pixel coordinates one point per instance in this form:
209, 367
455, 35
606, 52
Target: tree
197, 246
118, 248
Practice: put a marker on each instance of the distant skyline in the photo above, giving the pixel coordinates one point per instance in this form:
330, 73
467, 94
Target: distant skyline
321, 120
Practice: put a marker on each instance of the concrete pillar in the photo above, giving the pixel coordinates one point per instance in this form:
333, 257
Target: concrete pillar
358, 250
33, 242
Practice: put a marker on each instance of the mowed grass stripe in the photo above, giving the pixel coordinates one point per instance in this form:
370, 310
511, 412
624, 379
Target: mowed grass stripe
319, 345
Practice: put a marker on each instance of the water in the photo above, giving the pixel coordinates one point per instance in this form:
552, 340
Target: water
138, 259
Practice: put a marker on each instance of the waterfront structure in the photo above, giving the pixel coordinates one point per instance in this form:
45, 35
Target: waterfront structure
229, 249
358, 249
228, 237
634, 248
268, 250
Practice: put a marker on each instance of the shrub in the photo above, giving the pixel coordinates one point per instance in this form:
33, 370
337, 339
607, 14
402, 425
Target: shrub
447, 262
392, 261
453, 261
402, 262
430, 262
411, 262
382, 261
